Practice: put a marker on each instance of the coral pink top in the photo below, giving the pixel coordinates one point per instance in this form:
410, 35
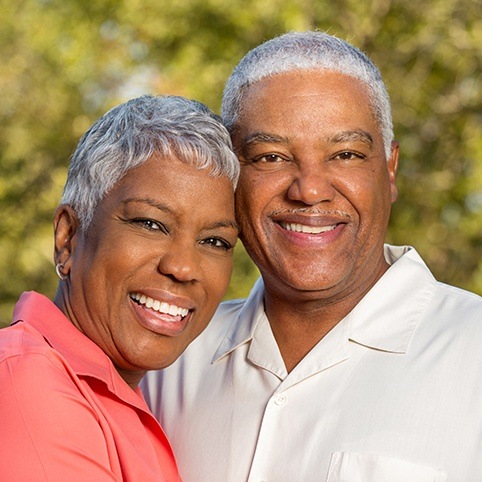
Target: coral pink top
66, 414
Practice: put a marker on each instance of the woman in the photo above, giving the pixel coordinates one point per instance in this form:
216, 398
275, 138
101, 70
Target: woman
143, 247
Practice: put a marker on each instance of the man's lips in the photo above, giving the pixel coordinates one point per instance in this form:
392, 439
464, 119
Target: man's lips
310, 222
310, 228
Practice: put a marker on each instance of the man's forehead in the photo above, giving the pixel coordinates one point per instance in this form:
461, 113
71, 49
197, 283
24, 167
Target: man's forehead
287, 78
276, 107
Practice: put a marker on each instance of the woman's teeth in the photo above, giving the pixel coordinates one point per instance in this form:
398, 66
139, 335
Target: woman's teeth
159, 306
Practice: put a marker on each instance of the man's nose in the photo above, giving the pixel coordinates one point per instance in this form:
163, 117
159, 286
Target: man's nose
311, 185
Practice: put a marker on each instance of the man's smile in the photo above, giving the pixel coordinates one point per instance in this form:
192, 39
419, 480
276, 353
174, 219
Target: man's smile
302, 228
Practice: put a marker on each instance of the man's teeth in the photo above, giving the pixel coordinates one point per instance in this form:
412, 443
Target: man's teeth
301, 228
159, 306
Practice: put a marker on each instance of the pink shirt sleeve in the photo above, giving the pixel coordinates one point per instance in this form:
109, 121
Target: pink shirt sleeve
48, 430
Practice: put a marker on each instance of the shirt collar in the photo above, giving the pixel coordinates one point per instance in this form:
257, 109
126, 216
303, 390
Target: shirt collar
384, 319
247, 320
84, 356
387, 316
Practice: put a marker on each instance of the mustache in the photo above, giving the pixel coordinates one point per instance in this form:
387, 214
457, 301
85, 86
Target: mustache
310, 211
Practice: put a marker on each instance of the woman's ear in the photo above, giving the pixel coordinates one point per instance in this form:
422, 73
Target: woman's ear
66, 233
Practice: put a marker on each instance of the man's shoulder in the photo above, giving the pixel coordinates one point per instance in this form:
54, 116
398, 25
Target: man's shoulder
224, 320
460, 304
414, 278
229, 310
454, 315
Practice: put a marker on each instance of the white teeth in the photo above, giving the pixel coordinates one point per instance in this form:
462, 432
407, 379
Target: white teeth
160, 306
301, 228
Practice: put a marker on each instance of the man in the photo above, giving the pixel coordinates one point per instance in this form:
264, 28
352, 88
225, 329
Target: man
348, 361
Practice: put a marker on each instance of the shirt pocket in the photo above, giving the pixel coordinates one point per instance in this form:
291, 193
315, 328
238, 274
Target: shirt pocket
358, 467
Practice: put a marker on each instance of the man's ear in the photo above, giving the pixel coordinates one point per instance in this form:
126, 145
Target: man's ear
66, 234
392, 170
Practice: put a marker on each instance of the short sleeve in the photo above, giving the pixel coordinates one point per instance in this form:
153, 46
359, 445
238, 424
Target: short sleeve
49, 430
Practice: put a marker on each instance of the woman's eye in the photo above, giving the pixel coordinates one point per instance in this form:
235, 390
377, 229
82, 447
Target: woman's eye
217, 243
150, 225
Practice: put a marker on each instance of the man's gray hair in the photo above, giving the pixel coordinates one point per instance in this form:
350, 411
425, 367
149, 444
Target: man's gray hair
129, 134
307, 51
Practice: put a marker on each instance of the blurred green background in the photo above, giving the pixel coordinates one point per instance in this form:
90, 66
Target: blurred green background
65, 62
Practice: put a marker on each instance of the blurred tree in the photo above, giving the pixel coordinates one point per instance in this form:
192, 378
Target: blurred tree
65, 62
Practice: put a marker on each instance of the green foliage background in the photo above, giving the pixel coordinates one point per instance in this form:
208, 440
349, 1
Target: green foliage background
65, 62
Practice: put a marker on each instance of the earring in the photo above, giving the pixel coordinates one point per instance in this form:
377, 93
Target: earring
58, 267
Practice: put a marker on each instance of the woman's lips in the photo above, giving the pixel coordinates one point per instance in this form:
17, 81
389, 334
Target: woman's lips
160, 306
159, 316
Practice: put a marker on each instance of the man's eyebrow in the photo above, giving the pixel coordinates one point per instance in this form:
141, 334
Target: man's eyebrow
356, 135
263, 137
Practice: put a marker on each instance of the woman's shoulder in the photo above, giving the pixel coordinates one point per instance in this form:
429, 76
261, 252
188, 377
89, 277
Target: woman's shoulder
21, 339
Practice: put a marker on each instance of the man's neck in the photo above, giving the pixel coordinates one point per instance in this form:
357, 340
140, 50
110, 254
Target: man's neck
300, 320
298, 327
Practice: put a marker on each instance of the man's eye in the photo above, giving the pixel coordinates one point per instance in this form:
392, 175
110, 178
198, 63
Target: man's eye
269, 158
217, 243
348, 156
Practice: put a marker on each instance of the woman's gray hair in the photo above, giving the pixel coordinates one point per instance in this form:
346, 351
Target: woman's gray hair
307, 51
129, 134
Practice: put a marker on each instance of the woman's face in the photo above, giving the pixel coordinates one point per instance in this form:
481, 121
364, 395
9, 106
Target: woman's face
148, 274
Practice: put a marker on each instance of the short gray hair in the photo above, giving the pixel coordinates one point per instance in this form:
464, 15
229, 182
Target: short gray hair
307, 51
129, 134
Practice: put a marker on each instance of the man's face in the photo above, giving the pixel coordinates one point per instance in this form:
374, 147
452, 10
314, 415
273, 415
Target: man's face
315, 192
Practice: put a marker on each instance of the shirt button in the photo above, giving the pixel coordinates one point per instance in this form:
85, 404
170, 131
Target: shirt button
280, 399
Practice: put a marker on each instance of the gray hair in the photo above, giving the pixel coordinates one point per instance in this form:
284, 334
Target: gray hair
129, 134
306, 51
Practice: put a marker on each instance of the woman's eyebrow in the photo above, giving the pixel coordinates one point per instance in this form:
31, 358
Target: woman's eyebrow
224, 224
228, 223
148, 201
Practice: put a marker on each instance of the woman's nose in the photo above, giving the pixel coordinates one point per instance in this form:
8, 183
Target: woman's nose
181, 262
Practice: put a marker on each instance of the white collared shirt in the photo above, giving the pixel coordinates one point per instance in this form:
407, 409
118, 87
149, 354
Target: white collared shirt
392, 393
